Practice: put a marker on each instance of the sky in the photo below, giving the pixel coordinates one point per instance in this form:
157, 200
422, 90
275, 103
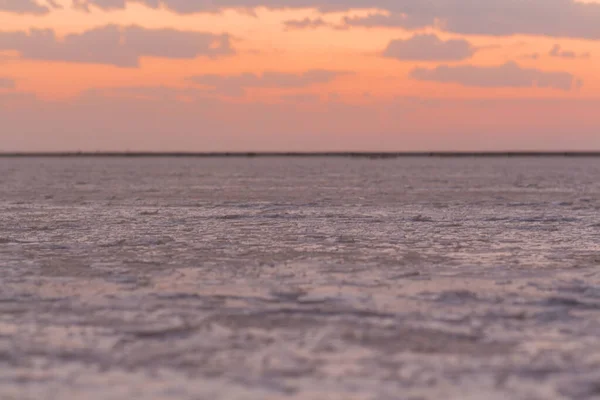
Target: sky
299, 75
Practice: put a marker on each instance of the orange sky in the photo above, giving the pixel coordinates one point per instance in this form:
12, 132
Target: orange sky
49, 82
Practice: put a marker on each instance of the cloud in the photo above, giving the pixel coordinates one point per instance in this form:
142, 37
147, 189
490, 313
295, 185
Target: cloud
429, 48
555, 18
27, 6
306, 23
149, 93
506, 75
393, 20
6, 83
301, 98
114, 45
236, 85
556, 51
558, 18
530, 56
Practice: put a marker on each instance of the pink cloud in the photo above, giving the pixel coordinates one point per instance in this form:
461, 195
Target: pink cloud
115, 45
505, 75
429, 48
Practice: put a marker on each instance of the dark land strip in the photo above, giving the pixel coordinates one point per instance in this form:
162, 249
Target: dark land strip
369, 155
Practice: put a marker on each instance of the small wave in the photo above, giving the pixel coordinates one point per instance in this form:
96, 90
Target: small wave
228, 217
424, 340
519, 204
581, 289
291, 295
451, 225
345, 239
405, 275
421, 218
279, 216
157, 241
457, 296
7, 240
571, 303
142, 242
162, 333
155, 212
117, 243
565, 203
496, 219
545, 219
411, 257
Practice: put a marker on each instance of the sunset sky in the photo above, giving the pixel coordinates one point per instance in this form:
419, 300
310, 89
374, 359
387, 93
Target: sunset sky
299, 75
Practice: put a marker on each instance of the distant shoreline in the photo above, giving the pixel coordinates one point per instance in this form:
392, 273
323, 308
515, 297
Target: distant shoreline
369, 155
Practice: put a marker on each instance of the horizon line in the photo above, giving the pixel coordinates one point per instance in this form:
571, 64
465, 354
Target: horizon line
307, 154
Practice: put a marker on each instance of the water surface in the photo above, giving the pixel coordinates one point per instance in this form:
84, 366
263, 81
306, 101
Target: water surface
322, 278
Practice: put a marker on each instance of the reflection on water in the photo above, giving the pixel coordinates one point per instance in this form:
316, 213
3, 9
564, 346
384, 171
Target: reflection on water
300, 278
